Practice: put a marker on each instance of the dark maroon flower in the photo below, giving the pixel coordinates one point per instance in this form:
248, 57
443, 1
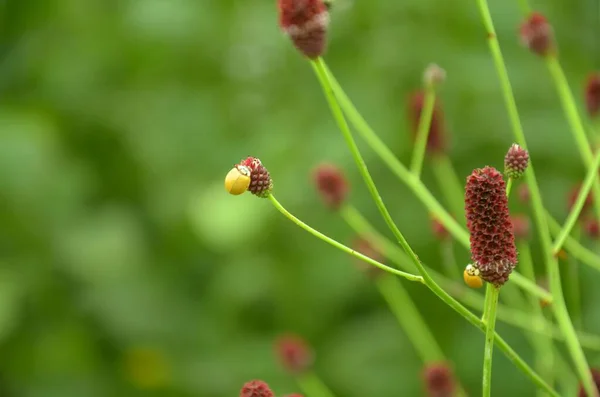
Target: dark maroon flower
592, 94
493, 249
537, 34
256, 388
331, 185
363, 246
521, 226
306, 22
439, 380
516, 161
260, 179
294, 354
596, 377
591, 228
436, 140
439, 231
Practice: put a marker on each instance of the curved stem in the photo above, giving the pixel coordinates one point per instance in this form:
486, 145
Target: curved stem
325, 81
423, 131
578, 206
559, 307
450, 184
490, 317
509, 186
329, 240
574, 247
574, 119
312, 386
418, 188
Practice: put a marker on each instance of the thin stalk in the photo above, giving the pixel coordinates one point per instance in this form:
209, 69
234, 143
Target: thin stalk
323, 77
493, 292
338, 245
578, 206
576, 123
416, 164
573, 290
449, 260
418, 188
574, 247
312, 386
449, 183
410, 319
509, 186
559, 308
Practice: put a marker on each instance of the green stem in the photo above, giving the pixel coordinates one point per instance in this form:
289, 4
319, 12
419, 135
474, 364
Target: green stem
449, 260
409, 318
578, 206
416, 164
559, 307
509, 186
451, 187
573, 289
576, 123
574, 247
325, 81
312, 386
418, 188
329, 240
493, 292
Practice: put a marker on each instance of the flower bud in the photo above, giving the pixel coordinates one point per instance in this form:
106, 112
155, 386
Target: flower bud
516, 161
436, 140
433, 75
493, 248
306, 23
256, 388
521, 226
596, 378
439, 380
294, 354
592, 95
537, 35
591, 228
260, 180
331, 185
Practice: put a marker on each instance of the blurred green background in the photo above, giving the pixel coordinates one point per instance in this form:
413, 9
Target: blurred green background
125, 267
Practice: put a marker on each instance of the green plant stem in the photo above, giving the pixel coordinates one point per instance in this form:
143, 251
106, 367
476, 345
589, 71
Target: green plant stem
312, 386
490, 317
323, 77
453, 227
576, 123
409, 318
559, 307
573, 289
451, 187
449, 260
578, 206
416, 164
329, 240
509, 187
574, 247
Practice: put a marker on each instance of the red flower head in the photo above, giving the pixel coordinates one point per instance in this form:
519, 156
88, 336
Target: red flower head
439, 231
260, 180
493, 248
516, 161
256, 388
537, 34
591, 228
521, 226
294, 354
439, 380
363, 246
436, 140
596, 377
331, 185
306, 22
592, 95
